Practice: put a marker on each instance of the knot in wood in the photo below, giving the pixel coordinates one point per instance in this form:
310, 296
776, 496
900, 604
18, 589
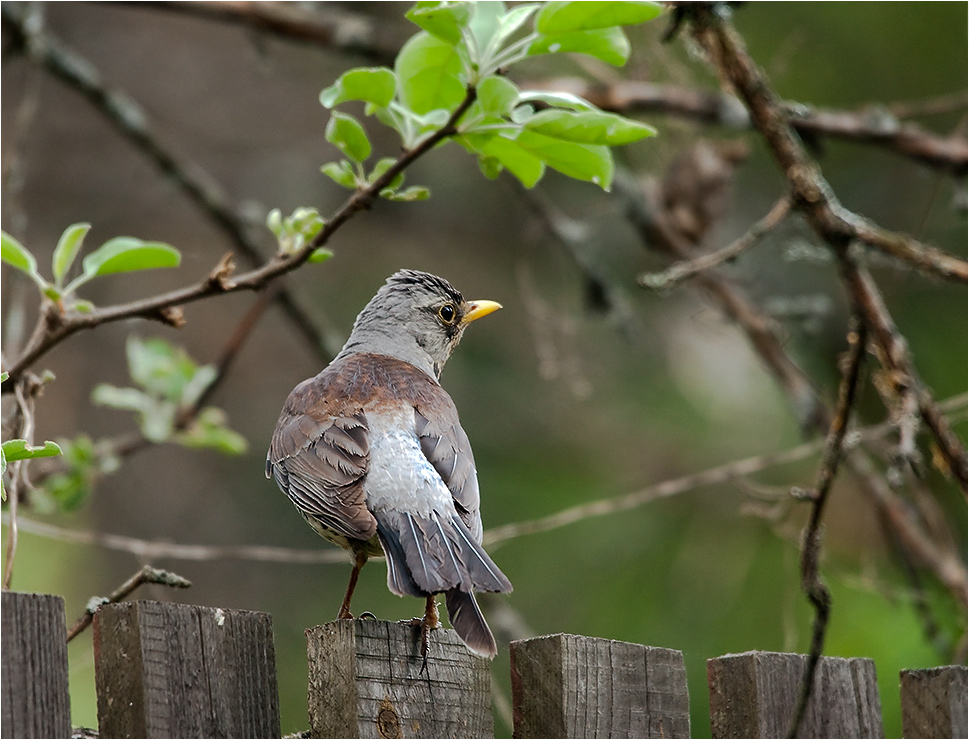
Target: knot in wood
388, 723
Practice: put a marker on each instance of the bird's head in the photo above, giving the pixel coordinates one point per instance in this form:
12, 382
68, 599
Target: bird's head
416, 317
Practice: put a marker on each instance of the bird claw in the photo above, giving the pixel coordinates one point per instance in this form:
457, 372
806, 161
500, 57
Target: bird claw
368, 615
430, 621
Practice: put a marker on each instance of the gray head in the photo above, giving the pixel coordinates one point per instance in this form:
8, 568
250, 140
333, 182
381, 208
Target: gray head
416, 317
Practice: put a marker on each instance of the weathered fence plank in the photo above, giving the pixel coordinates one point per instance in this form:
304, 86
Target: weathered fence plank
36, 701
365, 680
573, 686
177, 671
934, 702
754, 694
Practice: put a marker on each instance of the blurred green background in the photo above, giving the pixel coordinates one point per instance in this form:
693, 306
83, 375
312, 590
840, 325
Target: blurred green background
563, 404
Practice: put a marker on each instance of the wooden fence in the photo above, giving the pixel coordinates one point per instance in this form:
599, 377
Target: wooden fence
174, 670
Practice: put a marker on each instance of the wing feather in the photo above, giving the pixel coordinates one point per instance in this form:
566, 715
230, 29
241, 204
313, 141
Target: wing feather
319, 456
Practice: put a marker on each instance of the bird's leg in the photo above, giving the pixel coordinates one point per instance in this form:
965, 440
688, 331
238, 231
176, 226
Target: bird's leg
358, 562
430, 622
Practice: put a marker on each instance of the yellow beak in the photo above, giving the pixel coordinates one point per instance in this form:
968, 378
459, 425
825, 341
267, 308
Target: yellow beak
477, 309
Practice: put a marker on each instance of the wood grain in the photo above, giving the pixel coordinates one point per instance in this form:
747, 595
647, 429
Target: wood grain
934, 702
36, 702
177, 670
573, 686
754, 694
365, 681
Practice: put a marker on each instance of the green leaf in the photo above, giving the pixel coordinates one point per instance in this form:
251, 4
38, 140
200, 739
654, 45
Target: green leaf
209, 430
608, 44
345, 132
497, 96
428, 75
407, 195
490, 167
486, 22
508, 154
17, 255
296, 231
444, 20
581, 161
588, 127
67, 248
19, 449
381, 167
126, 399
69, 489
322, 254
375, 85
156, 417
125, 254
165, 371
557, 99
509, 23
563, 17
341, 173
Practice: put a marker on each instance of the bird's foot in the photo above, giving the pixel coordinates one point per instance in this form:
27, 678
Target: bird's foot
430, 621
368, 615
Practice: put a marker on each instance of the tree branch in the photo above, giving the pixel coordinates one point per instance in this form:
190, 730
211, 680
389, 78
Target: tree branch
59, 327
647, 210
832, 222
811, 582
154, 549
684, 270
131, 121
146, 575
878, 127
352, 33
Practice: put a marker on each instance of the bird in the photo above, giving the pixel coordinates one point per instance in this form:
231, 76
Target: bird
372, 454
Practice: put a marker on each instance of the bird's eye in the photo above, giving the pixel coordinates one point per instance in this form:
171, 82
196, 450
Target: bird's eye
446, 313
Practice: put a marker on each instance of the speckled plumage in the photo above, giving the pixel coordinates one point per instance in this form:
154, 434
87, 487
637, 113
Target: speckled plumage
372, 454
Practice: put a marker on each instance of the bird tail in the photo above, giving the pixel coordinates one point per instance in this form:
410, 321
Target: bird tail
468, 621
432, 555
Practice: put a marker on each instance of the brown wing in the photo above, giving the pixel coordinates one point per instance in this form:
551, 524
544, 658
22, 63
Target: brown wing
318, 457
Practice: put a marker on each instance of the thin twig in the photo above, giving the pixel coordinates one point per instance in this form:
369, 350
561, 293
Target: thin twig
352, 33
146, 575
228, 354
156, 549
879, 127
129, 443
833, 223
811, 582
25, 415
131, 121
676, 486
644, 211
220, 281
680, 271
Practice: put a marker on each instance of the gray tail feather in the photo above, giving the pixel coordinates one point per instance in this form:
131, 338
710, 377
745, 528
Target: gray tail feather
429, 555
399, 579
468, 621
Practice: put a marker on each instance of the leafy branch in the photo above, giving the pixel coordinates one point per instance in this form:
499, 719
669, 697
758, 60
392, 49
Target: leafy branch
460, 49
